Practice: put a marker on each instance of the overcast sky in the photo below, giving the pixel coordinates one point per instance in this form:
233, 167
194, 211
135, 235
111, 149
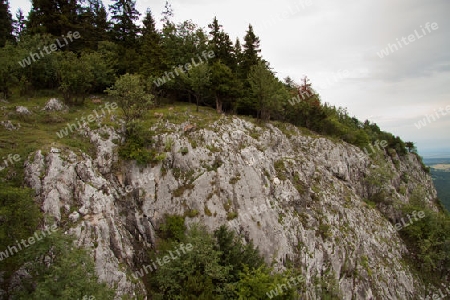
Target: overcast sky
338, 44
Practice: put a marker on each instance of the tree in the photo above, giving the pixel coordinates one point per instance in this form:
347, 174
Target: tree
60, 270
125, 33
221, 45
264, 87
6, 23
123, 16
258, 283
250, 56
102, 70
197, 274
237, 53
36, 71
129, 91
198, 78
75, 76
94, 23
56, 17
224, 85
234, 253
152, 53
411, 147
9, 69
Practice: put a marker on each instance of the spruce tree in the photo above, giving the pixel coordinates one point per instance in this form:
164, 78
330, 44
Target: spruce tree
250, 56
54, 17
94, 22
125, 33
237, 52
152, 56
221, 44
123, 16
6, 23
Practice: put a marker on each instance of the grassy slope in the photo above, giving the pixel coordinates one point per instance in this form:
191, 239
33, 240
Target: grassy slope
38, 131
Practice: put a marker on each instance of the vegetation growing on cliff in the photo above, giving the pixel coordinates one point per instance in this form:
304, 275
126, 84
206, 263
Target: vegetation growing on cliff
126, 60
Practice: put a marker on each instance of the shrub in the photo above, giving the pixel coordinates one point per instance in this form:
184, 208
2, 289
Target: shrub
173, 227
231, 215
129, 92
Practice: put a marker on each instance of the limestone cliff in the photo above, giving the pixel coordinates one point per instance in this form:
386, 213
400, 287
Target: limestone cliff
298, 196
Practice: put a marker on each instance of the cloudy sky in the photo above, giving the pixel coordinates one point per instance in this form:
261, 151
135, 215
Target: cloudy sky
338, 45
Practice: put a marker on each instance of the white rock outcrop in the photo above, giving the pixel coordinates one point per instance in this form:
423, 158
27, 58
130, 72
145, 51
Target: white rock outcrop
54, 105
312, 190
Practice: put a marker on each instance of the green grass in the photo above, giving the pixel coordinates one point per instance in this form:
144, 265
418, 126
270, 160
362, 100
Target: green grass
232, 215
280, 169
37, 131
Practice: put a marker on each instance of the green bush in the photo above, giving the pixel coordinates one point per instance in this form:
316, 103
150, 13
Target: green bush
173, 227
129, 92
219, 266
427, 238
67, 272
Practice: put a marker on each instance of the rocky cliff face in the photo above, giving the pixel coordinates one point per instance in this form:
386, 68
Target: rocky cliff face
299, 197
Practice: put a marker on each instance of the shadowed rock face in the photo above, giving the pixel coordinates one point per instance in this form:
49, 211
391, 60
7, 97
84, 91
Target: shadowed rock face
298, 197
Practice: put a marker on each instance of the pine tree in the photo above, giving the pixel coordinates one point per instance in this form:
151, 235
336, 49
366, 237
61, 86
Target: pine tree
250, 56
54, 17
152, 56
265, 90
6, 23
125, 33
123, 16
94, 22
221, 45
224, 86
237, 52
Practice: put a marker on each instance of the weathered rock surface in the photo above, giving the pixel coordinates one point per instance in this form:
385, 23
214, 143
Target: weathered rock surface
54, 105
22, 110
9, 125
298, 197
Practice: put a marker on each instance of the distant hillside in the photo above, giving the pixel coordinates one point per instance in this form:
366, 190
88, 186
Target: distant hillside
440, 171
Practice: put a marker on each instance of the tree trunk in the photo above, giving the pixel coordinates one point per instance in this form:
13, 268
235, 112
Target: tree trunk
197, 98
219, 105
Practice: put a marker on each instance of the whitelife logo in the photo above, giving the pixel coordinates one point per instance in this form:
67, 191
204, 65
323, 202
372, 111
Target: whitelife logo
9, 161
165, 260
423, 122
183, 68
411, 38
90, 118
36, 56
294, 280
415, 214
31, 241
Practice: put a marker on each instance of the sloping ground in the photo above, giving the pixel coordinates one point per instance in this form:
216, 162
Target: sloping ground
299, 197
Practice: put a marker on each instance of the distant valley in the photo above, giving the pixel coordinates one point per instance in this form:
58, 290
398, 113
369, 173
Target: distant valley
440, 171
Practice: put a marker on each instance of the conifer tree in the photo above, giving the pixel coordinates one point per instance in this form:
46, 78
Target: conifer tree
265, 90
221, 44
94, 23
237, 52
250, 56
123, 16
6, 23
125, 33
152, 56
54, 17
